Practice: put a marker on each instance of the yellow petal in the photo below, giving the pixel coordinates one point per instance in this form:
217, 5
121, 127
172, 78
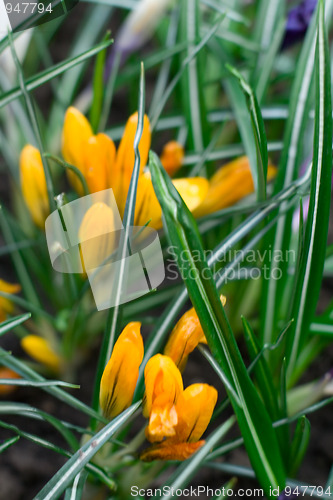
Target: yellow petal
162, 378
76, 132
40, 350
172, 157
147, 206
6, 305
33, 185
121, 373
170, 451
229, 185
195, 408
193, 190
185, 337
99, 159
126, 157
97, 235
5, 389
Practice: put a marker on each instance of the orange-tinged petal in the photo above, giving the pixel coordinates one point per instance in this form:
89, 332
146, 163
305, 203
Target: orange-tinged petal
97, 235
162, 421
162, 380
195, 408
229, 185
185, 337
170, 451
193, 190
33, 185
76, 132
172, 157
121, 373
10, 374
125, 157
40, 350
99, 159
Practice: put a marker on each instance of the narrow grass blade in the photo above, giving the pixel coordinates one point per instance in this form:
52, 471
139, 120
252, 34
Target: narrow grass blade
22, 272
29, 374
193, 79
60, 481
313, 257
186, 471
47, 75
299, 445
11, 323
299, 105
8, 443
98, 87
260, 439
254, 137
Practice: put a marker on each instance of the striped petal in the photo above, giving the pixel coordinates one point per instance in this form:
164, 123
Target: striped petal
121, 373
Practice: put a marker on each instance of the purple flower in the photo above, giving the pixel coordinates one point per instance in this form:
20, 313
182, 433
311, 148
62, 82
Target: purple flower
298, 21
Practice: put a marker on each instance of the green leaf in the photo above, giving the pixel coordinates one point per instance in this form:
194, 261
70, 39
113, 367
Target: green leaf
60, 481
8, 443
98, 87
313, 256
256, 427
193, 98
11, 323
299, 445
255, 142
292, 156
47, 75
27, 373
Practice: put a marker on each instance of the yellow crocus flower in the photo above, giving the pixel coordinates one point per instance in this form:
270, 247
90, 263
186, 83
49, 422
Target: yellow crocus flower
33, 185
121, 373
185, 337
164, 385
229, 184
194, 409
103, 167
6, 306
40, 350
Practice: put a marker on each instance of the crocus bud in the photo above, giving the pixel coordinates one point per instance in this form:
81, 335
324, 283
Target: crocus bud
6, 389
99, 158
76, 133
39, 349
6, 306
172, 157
126, 157
185, 337
121, 373
33, 185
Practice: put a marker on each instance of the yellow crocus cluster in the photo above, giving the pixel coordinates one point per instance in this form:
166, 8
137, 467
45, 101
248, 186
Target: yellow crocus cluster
177, 417
104, 166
